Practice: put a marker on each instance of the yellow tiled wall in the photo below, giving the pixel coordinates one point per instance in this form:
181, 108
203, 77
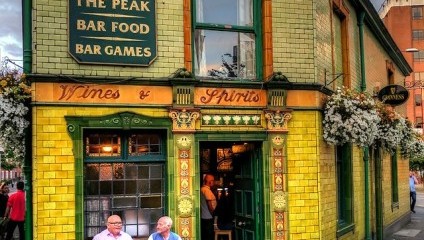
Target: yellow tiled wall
54, 168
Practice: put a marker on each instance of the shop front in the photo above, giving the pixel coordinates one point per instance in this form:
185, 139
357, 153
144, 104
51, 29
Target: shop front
141, 152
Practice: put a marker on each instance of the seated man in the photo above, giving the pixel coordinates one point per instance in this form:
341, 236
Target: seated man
113, 231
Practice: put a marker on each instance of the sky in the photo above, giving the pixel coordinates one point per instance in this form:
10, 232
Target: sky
11, 29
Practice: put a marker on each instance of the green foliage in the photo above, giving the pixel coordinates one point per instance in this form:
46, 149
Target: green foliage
416, 163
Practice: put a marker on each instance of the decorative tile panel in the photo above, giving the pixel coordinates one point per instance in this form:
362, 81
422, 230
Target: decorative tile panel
277, 120
279, 196
185, 202
231, 120
183, 120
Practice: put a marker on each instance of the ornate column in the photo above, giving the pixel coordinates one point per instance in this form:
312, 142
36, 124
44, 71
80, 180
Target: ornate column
183, 127
277, 128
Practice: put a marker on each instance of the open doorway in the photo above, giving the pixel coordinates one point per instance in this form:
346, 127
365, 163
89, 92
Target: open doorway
235, 167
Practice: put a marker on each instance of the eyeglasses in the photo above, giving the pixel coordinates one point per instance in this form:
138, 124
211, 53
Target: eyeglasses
115, 223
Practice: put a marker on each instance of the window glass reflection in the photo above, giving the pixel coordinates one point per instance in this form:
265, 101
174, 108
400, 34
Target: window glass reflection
225, 55
231, 12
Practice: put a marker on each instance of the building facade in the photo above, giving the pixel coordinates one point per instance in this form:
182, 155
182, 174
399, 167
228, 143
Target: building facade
404, 21
134, 101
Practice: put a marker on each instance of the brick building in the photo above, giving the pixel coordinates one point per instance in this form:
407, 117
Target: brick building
404, 21
134, 101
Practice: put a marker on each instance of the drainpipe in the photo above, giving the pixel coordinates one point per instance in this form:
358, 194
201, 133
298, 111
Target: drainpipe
27, 63
365, 149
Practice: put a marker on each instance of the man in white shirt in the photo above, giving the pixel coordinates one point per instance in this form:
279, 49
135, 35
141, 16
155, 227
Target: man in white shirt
208, 205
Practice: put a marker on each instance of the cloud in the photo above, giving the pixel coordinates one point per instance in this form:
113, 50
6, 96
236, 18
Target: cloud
11, 29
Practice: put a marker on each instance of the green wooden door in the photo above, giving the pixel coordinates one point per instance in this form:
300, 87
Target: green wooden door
246, 198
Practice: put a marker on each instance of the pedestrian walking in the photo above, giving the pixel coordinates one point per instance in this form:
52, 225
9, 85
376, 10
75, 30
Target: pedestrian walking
412, 191
4, 197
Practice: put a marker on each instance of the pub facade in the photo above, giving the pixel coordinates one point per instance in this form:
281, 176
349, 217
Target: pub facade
135, 101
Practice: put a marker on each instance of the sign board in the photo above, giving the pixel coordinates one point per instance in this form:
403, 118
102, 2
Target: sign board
120, 32
393, 95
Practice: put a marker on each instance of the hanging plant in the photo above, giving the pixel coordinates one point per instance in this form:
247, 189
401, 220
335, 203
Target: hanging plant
390, 127
14, 93
350, 117
412, 144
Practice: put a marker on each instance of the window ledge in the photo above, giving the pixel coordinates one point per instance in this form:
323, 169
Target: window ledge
395, 205
345, 228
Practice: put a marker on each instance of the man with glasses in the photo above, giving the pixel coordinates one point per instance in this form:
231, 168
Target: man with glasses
113, 231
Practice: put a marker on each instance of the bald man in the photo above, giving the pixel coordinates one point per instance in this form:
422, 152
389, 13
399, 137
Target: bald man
113, 231
163, 230
207, 207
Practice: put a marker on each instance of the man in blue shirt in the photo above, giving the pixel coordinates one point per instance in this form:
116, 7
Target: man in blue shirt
412, 192
163, 230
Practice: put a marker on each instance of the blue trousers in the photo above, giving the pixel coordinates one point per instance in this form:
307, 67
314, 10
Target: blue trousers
413, 196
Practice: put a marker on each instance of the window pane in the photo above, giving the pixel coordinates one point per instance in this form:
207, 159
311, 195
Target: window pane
417, 12
118, 187
103, 145
231, 12
92, 172
225, 54
128, 194
144, 144
92, 188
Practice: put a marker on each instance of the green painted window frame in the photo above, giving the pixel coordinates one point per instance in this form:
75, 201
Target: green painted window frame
394, 182
345, 221
256, 29
124, 155
121, 120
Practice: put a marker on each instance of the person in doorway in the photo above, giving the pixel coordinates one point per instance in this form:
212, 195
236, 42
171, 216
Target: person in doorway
207, 207
163, 230
113, 231
15, 211
225, 211
412, 192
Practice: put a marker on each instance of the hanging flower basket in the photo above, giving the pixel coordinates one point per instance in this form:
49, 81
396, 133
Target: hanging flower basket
390, 128
350, 117
411, 145
14, 95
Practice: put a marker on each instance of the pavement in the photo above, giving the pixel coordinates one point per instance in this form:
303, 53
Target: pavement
414, 230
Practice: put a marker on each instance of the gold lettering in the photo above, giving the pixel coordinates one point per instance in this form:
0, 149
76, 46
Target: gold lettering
134, 5
88, 49
91, 26
127, 51
147, 52
393, 97
133, 27
92, 3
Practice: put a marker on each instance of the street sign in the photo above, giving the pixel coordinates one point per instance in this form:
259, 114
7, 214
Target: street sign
121, 32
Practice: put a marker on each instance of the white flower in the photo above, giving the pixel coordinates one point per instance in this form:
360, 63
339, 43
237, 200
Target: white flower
350, 117
13, 92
